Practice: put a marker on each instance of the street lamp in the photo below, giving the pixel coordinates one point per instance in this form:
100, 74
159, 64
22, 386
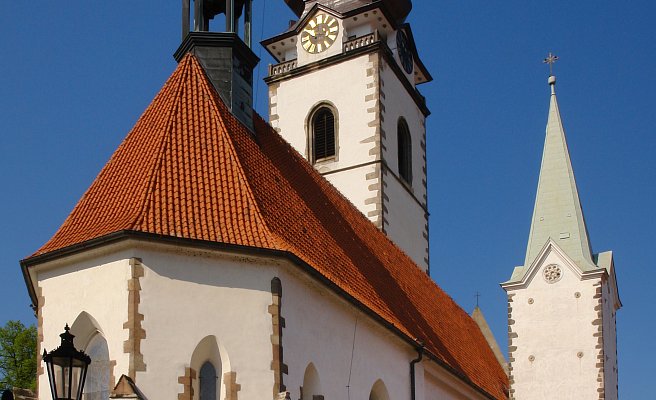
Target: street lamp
67, 369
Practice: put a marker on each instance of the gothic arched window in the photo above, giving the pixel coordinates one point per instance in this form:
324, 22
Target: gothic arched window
311, 384
97, 385
208, 380
207, 362
379, 391
405, 151
323, 134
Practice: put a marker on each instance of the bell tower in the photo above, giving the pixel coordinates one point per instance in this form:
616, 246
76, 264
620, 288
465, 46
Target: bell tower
345, 94
562, 301
226, 57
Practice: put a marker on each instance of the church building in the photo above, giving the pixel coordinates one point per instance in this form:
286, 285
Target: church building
218, 256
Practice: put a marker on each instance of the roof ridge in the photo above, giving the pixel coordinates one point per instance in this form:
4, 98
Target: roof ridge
223, 112
165, 142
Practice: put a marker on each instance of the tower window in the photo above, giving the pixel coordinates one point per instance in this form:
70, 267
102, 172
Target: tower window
323, 134
405, 151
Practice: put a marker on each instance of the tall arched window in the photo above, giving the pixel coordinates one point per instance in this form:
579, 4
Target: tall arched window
311, 384
379, 391
405, 151
208, 362
96, 386
208, 381
89, 336
323, 134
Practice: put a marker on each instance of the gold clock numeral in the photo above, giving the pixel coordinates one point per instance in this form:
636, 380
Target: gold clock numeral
320, 33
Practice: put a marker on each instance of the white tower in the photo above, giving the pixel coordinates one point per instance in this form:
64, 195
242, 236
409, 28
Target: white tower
344, 95
562, 301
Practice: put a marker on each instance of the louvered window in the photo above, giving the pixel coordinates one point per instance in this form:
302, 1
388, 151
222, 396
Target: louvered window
405, 151
323, 134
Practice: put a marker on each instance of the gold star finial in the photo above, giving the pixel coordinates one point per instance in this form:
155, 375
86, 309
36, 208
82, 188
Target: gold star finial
551, 60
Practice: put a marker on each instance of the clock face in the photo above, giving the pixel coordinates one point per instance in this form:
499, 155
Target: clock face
405, 54
319, 34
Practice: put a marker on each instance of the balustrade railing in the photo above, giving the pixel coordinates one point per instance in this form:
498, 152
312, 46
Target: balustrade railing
361, 41
353, 44
282, 68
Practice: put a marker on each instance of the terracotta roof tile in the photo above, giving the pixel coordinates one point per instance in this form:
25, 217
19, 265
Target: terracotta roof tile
189, 169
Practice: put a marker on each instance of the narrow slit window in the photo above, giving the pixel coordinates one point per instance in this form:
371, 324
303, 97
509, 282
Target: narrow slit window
323, 134
405, 151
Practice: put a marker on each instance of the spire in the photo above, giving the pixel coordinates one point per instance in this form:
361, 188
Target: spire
558, 214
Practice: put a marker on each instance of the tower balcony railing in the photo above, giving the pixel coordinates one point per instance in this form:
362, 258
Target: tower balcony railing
282, 68
361, 41
348, 46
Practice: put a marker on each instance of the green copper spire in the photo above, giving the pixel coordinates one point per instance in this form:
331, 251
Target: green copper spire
558, 214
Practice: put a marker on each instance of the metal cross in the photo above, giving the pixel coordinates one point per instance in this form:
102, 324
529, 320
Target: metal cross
478, 296
551, 60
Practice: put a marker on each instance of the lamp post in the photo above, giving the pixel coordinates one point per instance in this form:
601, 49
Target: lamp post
67, 369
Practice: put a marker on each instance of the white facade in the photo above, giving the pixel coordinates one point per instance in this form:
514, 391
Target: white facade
367, 94
199, 305
562, 331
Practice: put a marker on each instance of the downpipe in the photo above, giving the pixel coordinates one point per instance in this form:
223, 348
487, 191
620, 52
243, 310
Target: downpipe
420, 356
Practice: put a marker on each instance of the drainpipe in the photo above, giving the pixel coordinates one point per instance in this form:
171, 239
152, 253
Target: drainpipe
420, 356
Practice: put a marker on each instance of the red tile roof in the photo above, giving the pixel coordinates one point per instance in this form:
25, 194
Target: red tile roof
190, 169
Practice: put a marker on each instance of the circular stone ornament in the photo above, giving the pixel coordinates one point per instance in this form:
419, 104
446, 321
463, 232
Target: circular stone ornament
552, 273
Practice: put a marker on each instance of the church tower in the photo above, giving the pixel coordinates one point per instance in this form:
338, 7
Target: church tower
344, 94
562, 301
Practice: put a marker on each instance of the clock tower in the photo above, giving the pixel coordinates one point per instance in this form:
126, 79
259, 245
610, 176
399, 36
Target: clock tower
344, 94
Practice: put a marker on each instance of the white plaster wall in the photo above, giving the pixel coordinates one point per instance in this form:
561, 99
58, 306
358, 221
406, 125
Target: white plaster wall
398, 103
189, 295
406, 218
357, 193
294, 99
438, 385
320, 329
610, 342
97, 285
405, 221
553, 329
358, 28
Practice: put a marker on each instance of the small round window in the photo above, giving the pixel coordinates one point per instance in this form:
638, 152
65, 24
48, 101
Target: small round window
552, 273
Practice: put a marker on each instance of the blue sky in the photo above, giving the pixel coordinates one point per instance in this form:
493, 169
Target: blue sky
75, 76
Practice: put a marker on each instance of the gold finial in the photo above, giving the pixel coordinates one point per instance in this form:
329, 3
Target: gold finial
551, 60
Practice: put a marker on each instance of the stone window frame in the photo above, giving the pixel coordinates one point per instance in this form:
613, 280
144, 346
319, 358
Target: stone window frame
309, 128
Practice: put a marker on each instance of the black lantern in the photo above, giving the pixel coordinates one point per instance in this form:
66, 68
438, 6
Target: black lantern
67, 369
